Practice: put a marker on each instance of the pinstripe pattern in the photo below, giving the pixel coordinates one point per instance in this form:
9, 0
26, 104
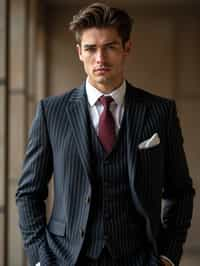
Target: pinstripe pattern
58, 144
112, 205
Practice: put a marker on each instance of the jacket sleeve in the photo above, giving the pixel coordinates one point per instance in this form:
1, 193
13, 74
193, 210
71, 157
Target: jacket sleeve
33, 186
178, 193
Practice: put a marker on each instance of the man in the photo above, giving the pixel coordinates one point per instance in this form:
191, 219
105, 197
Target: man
116, 152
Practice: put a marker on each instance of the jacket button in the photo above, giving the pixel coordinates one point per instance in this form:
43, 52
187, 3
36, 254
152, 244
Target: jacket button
88, 199
82, 232
106, 237
107, 216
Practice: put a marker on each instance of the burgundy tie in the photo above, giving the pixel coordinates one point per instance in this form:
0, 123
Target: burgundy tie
106, 124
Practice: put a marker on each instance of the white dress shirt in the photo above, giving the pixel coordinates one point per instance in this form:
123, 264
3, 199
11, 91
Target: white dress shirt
96, 108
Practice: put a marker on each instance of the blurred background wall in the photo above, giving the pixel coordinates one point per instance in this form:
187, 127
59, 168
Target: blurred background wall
38, 58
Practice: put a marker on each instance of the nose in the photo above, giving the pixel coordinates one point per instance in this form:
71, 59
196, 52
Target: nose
100, 56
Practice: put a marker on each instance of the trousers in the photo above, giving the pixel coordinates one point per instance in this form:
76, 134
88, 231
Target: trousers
144, 257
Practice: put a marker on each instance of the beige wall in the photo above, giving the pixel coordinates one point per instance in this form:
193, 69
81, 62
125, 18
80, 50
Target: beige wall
165, 60
3, 117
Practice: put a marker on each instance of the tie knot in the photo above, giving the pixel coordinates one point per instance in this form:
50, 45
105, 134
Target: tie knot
106, 100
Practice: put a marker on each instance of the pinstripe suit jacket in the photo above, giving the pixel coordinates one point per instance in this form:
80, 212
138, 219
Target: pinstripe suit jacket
59, 145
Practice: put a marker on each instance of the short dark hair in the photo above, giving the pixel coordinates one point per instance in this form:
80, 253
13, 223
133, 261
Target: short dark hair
100, 15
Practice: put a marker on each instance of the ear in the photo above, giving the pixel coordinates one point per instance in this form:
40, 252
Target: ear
78, 48
128, 46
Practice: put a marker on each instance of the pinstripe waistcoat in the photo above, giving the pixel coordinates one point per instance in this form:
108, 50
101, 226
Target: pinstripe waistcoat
113, 219
58, 145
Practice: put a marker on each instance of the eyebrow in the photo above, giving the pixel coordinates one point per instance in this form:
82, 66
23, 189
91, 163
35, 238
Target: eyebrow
86, 46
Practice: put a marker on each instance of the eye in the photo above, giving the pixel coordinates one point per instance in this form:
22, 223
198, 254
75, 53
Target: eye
111, 47
90, 49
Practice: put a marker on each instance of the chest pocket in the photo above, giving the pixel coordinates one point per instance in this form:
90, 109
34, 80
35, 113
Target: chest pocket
150, 173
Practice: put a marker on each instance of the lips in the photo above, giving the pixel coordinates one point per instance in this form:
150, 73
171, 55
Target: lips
101, 69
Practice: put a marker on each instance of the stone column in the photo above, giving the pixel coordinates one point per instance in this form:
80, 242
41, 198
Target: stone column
17, 119
4, 23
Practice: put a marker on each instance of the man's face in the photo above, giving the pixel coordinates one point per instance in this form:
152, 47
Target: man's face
103, 57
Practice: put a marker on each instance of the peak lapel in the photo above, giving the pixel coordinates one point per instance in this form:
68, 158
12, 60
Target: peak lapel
136, 110
78, 115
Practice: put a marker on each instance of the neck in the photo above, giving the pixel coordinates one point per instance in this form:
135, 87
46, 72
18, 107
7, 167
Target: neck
106, 88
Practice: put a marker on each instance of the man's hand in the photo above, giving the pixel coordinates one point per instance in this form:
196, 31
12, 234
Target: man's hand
165, 262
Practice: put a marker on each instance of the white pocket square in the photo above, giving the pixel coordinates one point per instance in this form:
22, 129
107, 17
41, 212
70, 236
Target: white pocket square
151, 142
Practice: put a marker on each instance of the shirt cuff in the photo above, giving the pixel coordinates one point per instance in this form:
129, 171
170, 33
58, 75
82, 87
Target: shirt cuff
37, 264
167, 259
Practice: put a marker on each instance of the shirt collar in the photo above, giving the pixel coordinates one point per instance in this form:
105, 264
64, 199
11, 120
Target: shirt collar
93, 94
